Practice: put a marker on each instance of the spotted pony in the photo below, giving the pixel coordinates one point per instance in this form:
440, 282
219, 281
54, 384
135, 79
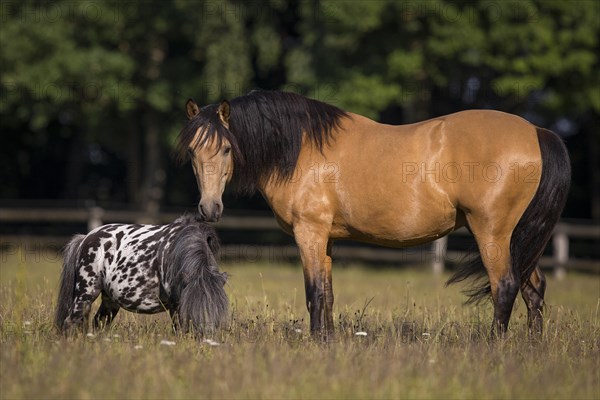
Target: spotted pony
145, 269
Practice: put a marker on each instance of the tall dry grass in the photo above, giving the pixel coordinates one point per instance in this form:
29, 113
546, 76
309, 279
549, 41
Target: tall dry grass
420, 342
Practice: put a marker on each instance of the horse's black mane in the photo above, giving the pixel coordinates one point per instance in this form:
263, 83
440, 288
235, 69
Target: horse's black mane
266, 129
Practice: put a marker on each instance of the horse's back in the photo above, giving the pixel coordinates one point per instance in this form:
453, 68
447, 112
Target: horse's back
409, 184
490, 162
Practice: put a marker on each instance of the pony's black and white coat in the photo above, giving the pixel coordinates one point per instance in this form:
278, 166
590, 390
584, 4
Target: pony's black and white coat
145, 269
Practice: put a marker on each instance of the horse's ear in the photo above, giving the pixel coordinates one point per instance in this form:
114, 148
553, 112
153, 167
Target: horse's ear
224, 111
191, 108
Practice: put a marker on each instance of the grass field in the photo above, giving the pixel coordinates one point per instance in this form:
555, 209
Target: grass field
421, 342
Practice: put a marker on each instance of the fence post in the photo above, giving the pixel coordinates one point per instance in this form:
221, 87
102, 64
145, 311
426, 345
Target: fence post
95, 218
439, 255
560, 244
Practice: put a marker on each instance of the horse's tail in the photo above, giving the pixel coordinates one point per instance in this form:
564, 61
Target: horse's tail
64, 303
202, 301
534, 229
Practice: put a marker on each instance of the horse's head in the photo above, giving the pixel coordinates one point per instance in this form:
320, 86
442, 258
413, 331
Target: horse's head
210, 151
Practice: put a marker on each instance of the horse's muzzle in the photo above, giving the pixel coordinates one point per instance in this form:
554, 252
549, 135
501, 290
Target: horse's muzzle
210, 211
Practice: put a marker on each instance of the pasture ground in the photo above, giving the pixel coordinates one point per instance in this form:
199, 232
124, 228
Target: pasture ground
421, 342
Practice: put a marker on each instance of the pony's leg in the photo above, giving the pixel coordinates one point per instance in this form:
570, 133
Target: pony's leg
106, 313
174, 320
86, 291
315, 252
533, 293
495, 254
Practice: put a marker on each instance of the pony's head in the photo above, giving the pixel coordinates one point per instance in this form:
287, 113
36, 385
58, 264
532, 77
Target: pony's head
212, 151
197, 285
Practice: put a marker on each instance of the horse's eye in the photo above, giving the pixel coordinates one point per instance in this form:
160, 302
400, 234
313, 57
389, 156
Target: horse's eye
227, 150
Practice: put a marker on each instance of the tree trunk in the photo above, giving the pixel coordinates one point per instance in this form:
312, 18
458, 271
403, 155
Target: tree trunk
154, 173
74, 168
593, 157
134, 161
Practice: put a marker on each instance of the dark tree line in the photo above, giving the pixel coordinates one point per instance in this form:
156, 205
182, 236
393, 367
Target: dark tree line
92, 93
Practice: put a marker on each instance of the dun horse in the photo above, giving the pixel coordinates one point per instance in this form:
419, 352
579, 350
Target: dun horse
145, 269
329, 174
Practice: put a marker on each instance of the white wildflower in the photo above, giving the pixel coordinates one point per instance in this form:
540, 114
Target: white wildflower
298, 330
211, 342
90, 335
26, 323
167, 343
361, 333
138, 347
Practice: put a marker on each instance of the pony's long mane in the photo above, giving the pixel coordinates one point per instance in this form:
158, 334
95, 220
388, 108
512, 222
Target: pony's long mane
266, 130
195, 281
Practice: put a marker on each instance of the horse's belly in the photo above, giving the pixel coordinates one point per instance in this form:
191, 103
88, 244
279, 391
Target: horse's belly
390, 238
137, 295
392, 224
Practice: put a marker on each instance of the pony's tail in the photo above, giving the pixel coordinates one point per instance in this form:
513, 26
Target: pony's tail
534, 229
64, 303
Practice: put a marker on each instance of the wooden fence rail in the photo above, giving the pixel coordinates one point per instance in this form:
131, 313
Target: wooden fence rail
437, 255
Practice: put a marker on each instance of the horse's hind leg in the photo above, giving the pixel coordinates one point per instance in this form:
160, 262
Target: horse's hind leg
533, 293
106, 313
504, 284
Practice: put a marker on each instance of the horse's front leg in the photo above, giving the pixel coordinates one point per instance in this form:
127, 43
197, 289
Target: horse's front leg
315, 252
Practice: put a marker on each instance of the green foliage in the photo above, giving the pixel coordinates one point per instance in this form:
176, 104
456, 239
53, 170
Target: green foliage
367, 95
51, 51
514, 48
96, 67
